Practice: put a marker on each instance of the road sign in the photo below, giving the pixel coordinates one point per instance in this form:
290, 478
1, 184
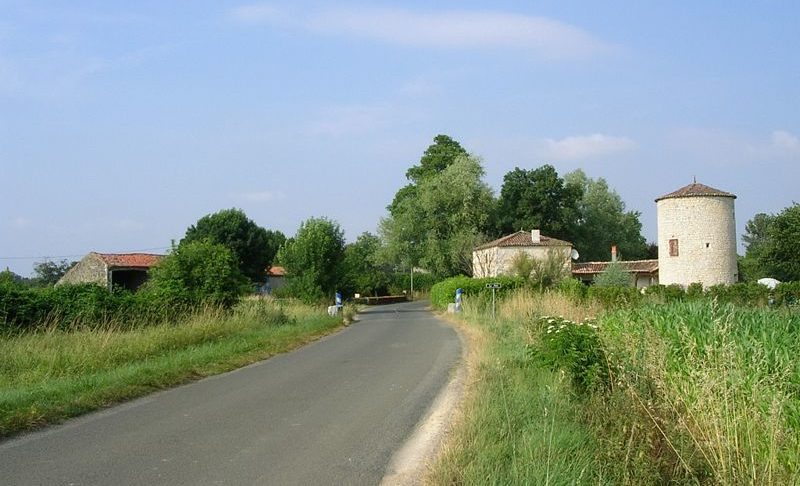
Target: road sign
494, 285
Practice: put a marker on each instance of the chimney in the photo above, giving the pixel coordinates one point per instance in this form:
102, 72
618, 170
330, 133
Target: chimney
536, 236
613, 253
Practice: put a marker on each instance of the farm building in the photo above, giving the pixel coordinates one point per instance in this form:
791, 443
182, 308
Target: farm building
697, 236
496, 257
644, 273
125, 270
276, 278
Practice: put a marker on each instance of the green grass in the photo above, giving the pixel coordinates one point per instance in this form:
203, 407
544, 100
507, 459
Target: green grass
52, 375
520, 424
694, 393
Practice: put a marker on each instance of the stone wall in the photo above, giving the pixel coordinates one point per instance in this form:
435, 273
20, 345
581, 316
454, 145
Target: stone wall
91, 269
705, 230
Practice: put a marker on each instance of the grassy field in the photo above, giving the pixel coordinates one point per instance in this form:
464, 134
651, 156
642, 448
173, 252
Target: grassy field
564, 392
51, 375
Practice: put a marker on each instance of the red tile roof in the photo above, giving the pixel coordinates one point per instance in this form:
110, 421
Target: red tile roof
633, 266
696, 190
523, 238
130, 260
276, 271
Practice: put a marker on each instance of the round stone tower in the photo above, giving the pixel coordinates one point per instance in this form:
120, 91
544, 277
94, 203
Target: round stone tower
696, 236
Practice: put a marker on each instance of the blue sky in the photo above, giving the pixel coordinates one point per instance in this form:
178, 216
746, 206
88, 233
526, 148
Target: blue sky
121, 123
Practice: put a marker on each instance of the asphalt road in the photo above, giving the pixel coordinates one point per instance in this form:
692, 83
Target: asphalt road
332, 412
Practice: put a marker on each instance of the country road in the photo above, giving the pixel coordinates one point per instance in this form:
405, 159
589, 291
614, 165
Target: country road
332, 412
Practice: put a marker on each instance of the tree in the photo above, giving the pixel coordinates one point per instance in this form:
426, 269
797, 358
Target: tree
778, 253
438, 227
540, 199
363, 272
48, 272
313, 259
194, 273
436, 158
603, 222
753, 265
614, 276
253, 247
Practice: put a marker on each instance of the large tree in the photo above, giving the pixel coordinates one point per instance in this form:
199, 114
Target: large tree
604, 221
538, 198
313, 259
436, 158
438, 227
47, 272
776, 252
364, 273
253, 246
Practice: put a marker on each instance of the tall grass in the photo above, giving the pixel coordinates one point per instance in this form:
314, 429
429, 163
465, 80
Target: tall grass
53, 374
692, 392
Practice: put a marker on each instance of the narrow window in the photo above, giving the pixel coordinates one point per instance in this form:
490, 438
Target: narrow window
707, 244
673, 247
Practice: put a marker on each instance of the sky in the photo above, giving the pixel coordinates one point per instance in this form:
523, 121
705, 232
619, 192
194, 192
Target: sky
122, 123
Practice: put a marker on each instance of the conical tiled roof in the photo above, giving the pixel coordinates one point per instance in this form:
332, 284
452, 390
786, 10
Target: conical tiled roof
696, 190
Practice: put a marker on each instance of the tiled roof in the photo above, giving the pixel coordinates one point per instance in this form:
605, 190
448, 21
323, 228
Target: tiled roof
633, 266
696, 190
523, 238
276, 271
135, 260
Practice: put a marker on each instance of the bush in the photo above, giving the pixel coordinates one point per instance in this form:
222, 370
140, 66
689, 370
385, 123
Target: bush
576, 348
787, 293
402, 281
740, 293
694, 290
196, 273
444, 292
610, 297
573, 288
614, 276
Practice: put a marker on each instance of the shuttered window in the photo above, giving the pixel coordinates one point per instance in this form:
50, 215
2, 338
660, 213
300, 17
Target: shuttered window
673, 247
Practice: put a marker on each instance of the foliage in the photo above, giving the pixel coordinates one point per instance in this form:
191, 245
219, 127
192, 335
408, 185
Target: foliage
444, 292
739, 293
576, 348
614, 276
363, 272
438, 227
540, 199
613, 297
573, 288
605, 222
313, 260
522, 265
48, 272
254, 247
780, 256
401, 282
196, 273
788, 294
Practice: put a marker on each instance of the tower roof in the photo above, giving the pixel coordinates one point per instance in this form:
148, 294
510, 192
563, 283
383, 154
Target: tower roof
696, 190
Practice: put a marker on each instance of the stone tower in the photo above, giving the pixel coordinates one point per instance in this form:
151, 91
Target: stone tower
696, 236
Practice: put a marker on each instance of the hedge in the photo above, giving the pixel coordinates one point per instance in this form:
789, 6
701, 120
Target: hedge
444, 292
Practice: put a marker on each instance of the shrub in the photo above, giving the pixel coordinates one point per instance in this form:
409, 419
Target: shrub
611, 297
613, 276
740, 293
787, 293
573, 288
444, 292
196, 273
576, 348
694, 290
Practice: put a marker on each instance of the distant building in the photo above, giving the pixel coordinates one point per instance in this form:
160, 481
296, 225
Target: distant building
644, 273
276, 278
124, 270
697, 236
496, 257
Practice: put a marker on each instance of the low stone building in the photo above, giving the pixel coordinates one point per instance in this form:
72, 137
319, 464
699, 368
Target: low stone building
276, 278
644, 273
496, 257
124, 270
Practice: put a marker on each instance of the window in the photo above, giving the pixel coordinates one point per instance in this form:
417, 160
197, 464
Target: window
673, 247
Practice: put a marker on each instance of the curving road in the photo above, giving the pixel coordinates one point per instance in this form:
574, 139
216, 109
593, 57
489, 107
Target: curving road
332, 412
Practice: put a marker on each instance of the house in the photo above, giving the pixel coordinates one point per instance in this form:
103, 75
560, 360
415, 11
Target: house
276, 278
644, 272
111, 270
495, 257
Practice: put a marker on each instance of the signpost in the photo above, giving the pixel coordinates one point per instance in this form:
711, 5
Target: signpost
494, 286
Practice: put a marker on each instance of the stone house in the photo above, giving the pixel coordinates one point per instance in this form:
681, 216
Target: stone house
125, 270
276, 278
495, 257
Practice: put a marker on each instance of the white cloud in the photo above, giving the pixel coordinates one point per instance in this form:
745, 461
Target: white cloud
455, 29
584, 146
259, 196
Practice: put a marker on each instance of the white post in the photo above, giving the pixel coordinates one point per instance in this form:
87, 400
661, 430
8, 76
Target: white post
412, 281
